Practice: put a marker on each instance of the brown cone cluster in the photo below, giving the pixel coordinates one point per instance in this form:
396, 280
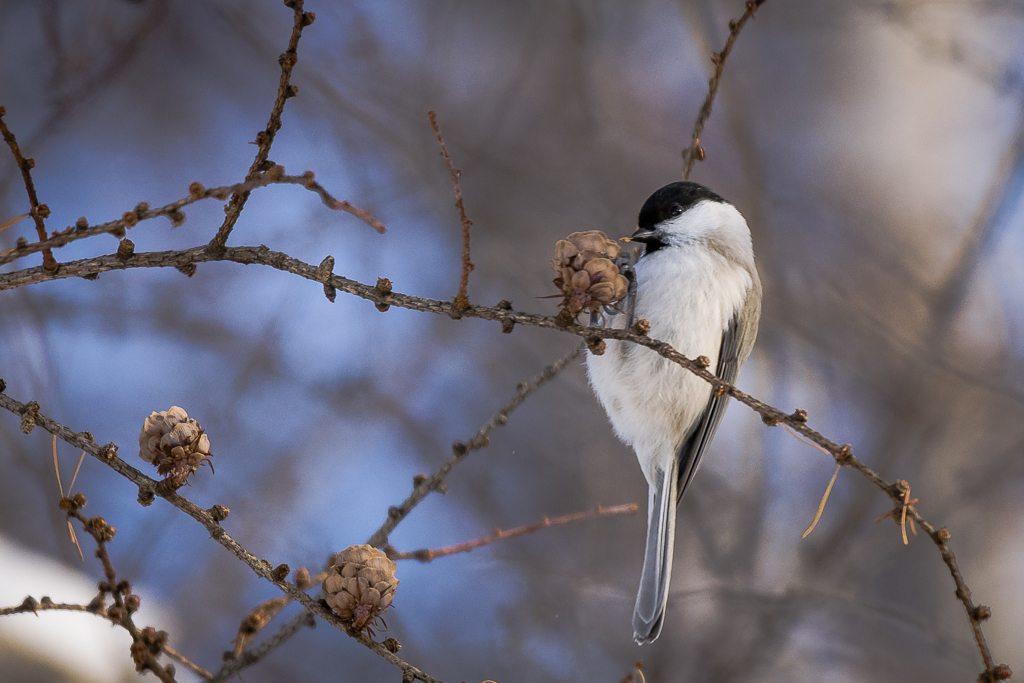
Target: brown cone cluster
361, 586
586, 273
175, 443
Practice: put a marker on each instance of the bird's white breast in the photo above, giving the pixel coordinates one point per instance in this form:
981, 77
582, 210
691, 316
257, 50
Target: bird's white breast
689, 294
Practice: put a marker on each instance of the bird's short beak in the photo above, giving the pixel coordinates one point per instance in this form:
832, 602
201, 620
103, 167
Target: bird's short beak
642, 235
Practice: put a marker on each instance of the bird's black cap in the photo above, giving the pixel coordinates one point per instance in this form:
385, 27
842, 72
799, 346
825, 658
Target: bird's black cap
672, 200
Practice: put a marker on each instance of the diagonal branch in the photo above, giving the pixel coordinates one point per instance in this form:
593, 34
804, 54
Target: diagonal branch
39, 211
265, 138
462, 298
695, 152
461, 450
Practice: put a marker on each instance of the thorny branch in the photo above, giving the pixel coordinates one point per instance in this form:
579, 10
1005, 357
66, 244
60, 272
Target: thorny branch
429, 555
462, 298
39, 211
695, 152
265, 138
797, 420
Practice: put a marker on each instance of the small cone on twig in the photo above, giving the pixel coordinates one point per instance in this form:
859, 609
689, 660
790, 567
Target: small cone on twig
175, 444
586, 273
361, 586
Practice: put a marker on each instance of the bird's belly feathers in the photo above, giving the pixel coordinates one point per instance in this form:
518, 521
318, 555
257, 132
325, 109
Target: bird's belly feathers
652, 402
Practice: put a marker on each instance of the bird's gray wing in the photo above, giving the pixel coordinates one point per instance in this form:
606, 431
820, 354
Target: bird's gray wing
737, 342
630, 305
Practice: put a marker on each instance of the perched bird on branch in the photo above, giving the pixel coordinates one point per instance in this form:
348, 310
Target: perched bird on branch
697, 285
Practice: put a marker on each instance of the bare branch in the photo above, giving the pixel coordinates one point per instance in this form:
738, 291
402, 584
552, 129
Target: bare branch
188, 663
462, 298
253, 655
39, 211
265, 138
460, 450
695, 152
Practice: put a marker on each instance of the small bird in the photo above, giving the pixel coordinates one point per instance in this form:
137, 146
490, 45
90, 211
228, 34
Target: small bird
698, 287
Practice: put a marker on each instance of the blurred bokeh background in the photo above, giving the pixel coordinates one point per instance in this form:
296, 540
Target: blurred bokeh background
877, 152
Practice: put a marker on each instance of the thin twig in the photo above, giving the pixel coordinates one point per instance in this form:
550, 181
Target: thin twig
144, 641
32, 605
256, 620
39, 211
462, 449
695, 152
265, 138
429, 555
255, 654
119, 59
462, 298
188, 663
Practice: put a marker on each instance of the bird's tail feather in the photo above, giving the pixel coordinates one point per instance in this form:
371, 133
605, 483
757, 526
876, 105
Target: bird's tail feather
649, 613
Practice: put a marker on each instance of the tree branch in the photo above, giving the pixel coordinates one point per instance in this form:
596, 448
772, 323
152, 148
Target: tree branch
265, 138
39, 211
460, 450
695, 152
462, 298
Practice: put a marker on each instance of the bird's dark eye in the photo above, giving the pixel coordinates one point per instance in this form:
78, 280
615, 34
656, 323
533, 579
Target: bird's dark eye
675, 210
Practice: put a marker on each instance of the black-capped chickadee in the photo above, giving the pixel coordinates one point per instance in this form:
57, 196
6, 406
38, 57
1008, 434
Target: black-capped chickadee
697, 286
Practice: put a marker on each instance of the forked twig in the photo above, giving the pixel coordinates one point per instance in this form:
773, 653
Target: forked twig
265, 138
142, 212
